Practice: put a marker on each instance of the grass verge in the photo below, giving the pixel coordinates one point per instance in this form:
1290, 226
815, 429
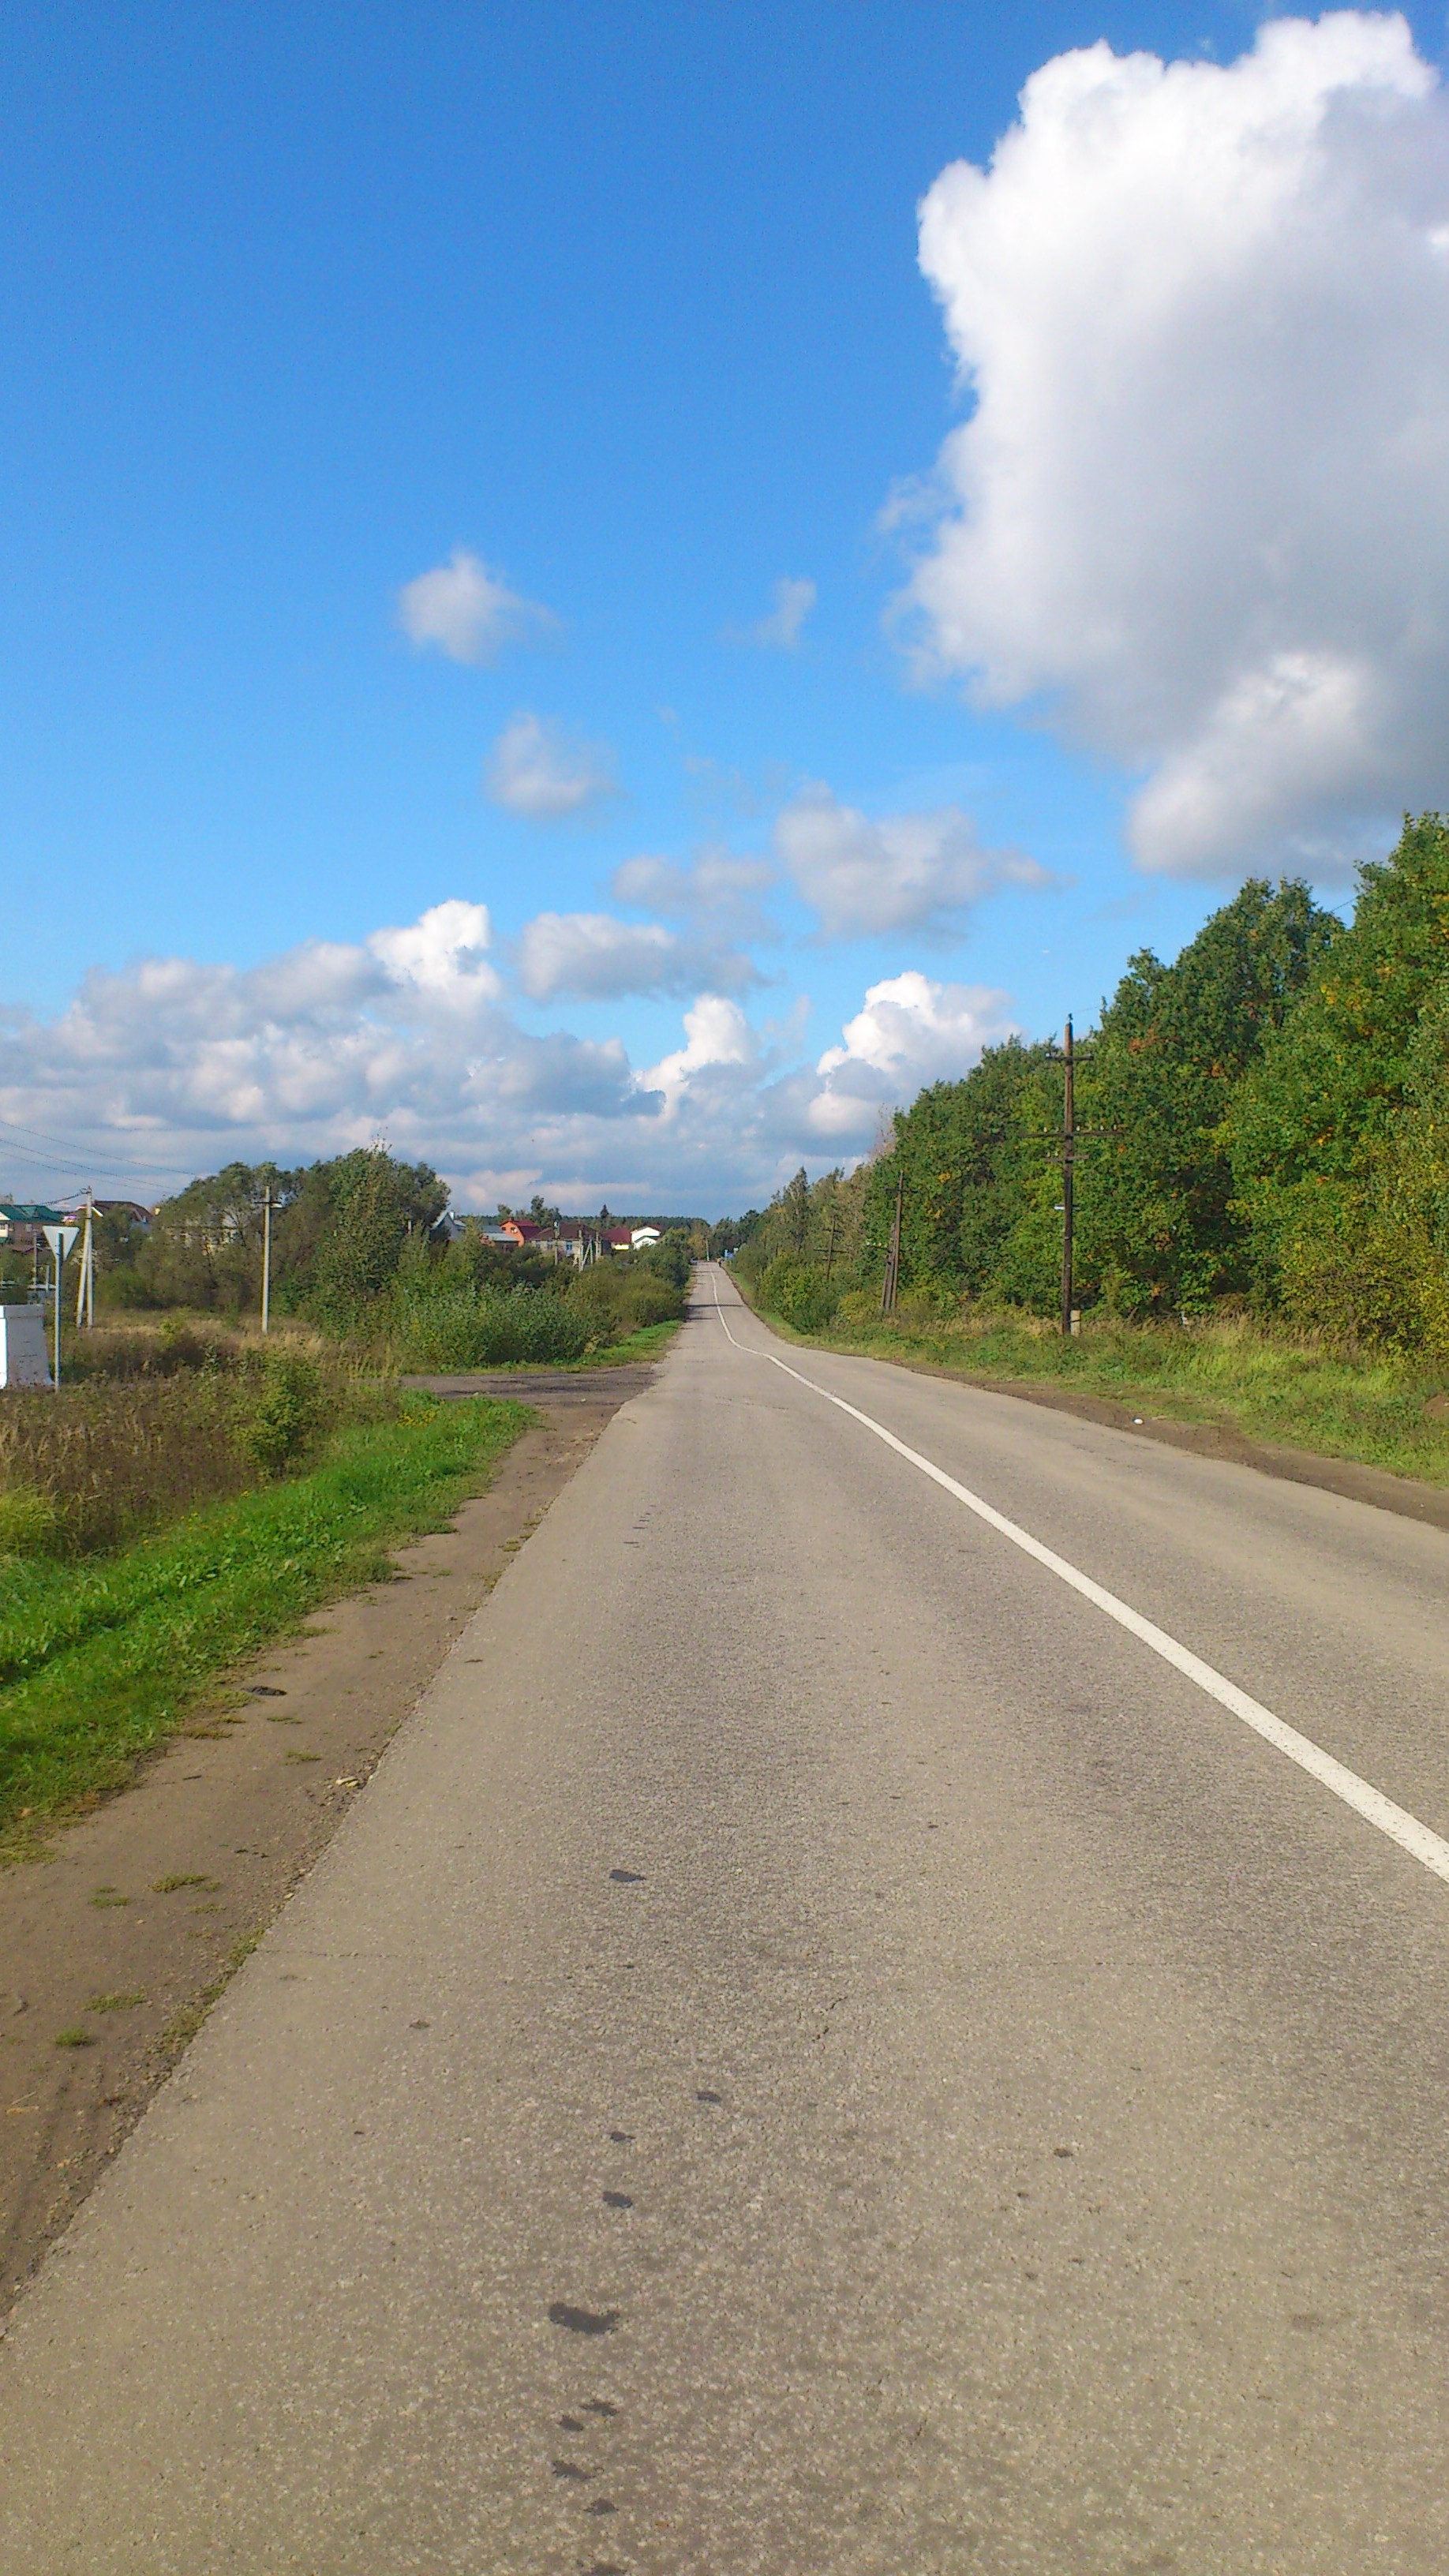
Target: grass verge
100, 1661
1267, 1387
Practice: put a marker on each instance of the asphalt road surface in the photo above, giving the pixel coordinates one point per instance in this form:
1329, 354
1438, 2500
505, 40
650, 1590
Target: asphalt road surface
821, 2052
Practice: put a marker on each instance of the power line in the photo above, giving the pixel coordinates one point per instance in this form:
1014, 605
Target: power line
68, 1156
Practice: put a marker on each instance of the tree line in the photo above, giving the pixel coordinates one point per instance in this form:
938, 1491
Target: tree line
1265, 1129
358, 1248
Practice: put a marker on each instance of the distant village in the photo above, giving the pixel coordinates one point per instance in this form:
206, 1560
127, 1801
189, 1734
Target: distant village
580, 1240
569, 1238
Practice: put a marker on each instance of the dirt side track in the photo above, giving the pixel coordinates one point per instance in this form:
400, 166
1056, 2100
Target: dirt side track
232, 1812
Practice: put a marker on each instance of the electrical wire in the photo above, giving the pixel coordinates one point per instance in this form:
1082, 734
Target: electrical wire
66, 1156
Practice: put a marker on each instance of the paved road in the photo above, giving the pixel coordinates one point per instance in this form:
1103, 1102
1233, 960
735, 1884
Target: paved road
819, 2054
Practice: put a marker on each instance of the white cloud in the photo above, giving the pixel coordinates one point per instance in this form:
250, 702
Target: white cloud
717, 1039
716, 890
442, 954
173, 1063
908, 1032
468, 612
599, 958
780, 632
903, 872
1200, 513
173, 1066
539, 770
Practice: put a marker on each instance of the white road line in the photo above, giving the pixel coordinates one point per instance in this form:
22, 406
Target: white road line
1366, 1801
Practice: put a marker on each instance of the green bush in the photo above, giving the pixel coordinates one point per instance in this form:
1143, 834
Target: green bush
858, 1308
284, 1416
443, 1322
799, 1294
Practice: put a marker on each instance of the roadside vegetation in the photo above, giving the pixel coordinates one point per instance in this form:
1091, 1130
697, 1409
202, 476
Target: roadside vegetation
1262, 1187
104, 1654
195, 1488
364, 1255
148, 1425
473, 1306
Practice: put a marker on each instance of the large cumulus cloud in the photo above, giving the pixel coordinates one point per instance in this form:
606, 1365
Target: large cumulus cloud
1200, 511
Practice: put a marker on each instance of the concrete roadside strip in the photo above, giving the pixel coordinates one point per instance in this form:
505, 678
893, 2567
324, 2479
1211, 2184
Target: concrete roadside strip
113, 1947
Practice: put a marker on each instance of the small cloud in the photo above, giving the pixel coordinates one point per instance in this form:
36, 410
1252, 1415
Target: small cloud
539, 770
597, 958
903, 872
716, 889
441, 954
468, 612
780, 632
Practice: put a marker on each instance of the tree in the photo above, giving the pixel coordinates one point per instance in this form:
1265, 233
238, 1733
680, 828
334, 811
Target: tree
373, 1205
795, 1212
1157, 1225
1309, 1126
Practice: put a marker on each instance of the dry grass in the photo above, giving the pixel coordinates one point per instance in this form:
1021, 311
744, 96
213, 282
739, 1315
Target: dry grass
87, 1468
147, 1426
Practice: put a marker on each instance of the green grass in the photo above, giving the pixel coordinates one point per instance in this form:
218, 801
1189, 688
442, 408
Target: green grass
1272, 1388
101, 1660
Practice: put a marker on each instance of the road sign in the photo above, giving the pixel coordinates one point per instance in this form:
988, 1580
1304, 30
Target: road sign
60, 1239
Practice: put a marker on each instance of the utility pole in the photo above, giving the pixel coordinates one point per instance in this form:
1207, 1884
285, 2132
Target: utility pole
892, 1279
85, 1295
1065, 1143
267, 1259
1069, 1148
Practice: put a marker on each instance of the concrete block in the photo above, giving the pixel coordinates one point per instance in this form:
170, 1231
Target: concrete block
24, 1360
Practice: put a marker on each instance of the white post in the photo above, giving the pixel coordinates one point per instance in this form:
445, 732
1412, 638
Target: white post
60, 1239
267, 1260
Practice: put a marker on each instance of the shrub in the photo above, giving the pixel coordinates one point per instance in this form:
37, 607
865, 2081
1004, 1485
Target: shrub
440, 1321
799, 1293
858, 1308
287, 1411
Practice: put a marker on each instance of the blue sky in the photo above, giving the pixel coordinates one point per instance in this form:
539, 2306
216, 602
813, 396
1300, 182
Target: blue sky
622, 304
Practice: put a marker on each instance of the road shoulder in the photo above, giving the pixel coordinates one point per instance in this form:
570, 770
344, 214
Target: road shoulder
116, 1944
1357, 1483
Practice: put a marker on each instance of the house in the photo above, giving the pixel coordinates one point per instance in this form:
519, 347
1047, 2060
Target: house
642, 1236
22, 1223
131, 1209
573, 1239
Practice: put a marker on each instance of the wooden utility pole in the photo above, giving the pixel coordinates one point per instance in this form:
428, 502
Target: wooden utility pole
892, 1279
267, 1259
1066, 1144
85, 1295
1069, 1149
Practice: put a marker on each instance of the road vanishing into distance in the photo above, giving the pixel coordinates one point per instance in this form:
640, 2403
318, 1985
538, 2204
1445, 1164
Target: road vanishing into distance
826, 2049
